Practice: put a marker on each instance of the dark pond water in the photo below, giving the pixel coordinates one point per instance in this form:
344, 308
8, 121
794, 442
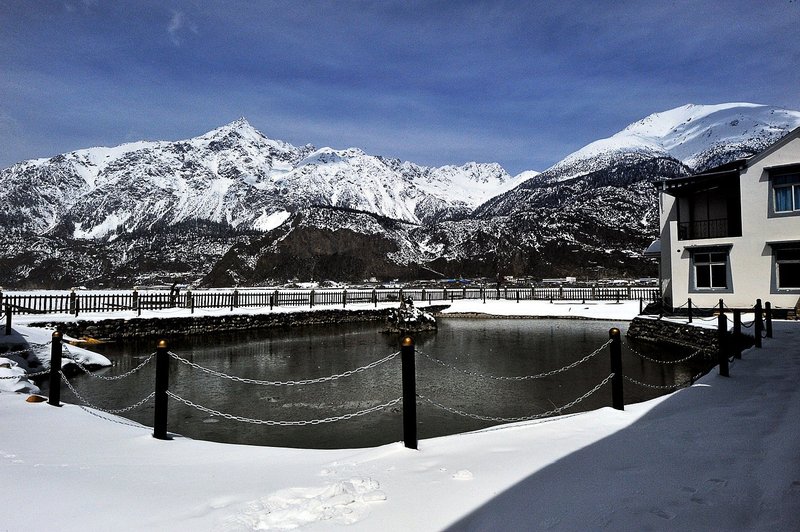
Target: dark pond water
488, 346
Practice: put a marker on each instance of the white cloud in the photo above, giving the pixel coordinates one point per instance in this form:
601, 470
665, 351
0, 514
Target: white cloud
175, 26
178, 25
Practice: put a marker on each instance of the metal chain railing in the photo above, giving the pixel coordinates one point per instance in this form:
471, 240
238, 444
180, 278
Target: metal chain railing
666, 386
521, 418
666, 362
283, 383
270, 422
115, 377
515, 378
106, 410
29, 349
27, 375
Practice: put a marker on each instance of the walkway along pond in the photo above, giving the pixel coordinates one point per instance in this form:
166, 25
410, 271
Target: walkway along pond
302, 387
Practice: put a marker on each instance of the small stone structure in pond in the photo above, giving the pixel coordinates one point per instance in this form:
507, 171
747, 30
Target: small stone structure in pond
408, 318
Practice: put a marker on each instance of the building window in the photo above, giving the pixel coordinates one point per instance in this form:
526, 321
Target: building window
711, 270
787, 264
786, 193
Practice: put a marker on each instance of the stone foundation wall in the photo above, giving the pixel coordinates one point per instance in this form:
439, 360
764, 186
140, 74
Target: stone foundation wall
669, 333
121, 329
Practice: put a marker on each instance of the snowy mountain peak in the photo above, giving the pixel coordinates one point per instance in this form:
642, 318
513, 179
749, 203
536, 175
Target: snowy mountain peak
693, 134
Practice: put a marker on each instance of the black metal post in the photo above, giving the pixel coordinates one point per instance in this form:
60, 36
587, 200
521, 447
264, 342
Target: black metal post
689, 309
737, 333
55, 370
758, 326
768, 313
617, 400
722, 334
8, 320
162, 385
409, 393
311, 299
344, 298
375, 297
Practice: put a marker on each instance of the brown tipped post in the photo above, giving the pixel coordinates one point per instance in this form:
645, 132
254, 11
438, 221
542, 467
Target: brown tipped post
55, 370
617, 399
722, 334
768, 318
689, 308
758, 325
409, 392
737, 333
162, 385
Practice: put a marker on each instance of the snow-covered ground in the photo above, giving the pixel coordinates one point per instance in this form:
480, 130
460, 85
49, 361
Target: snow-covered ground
720, 455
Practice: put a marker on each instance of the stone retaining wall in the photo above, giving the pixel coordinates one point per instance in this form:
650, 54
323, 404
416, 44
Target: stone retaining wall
171, 327
674, 334
122, 329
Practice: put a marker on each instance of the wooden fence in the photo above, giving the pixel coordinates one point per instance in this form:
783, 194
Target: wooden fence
115, 301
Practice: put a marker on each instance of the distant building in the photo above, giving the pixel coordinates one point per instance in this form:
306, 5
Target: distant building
733, 232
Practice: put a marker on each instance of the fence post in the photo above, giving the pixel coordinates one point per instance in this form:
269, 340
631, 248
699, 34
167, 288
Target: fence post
311, 299
375, 297
55, 370
737, 333
409, 392
71, 300
135, 303
344, 298
768, 312
8, 319
77, 306
641, 305
617, 399
517, 295
689, 308
722, 334
757, 325
235, 298
483, 294
161, 398
272, 299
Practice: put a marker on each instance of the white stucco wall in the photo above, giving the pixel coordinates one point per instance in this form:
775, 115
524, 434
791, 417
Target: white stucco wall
751, 258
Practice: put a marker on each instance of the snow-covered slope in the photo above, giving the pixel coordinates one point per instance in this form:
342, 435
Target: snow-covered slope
234, 176
695, 135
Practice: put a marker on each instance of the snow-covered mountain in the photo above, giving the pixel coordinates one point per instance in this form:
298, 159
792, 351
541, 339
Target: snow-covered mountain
233, 206
695, 135
234, 176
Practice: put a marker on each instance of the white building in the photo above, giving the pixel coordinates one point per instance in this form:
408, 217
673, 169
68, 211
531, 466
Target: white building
734, 232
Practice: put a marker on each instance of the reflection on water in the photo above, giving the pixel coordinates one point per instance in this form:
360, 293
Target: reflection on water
465, 347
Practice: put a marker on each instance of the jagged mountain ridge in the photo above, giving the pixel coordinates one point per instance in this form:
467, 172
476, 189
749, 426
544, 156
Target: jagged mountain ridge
232, 175
590, 215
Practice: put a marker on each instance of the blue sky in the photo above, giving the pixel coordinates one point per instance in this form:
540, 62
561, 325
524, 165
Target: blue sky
438, 82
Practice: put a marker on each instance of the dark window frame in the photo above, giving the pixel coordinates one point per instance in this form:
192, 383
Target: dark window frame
785, 254
784, 180
704, 266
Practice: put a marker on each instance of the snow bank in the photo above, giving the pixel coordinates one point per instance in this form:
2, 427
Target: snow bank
720, 455
27, 350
